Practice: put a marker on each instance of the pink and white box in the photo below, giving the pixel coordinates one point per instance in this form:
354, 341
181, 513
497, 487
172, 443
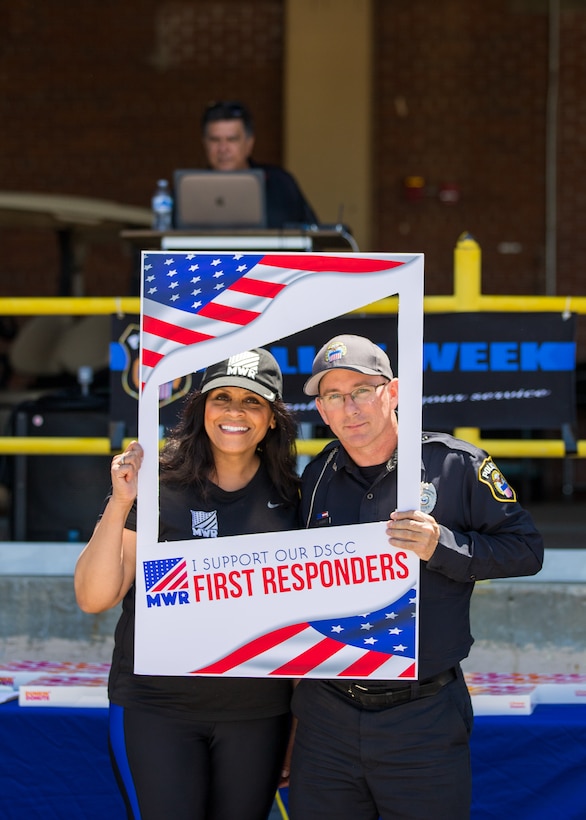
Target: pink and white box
549, 688
65, 690
16, 673
502, 698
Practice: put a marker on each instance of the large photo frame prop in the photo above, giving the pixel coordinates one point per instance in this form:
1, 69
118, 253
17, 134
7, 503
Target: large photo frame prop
317, 603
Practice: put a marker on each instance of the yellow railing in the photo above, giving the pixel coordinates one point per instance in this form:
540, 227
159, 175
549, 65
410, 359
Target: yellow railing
54, 446
467, 297
68, 305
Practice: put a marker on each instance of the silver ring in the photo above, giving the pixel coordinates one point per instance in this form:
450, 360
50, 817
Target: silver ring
122, 462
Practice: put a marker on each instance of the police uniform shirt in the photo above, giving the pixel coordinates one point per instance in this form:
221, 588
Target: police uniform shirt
484, 532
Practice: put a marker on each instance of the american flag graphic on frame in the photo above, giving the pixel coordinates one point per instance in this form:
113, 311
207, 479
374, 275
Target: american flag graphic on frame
165, 575
352, 646
195, 297
196, 309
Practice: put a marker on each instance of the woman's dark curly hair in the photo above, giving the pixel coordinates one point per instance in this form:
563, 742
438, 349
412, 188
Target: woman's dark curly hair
187, 456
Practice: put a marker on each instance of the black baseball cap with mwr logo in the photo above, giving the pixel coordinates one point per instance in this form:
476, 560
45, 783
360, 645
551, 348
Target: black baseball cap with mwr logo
255, 370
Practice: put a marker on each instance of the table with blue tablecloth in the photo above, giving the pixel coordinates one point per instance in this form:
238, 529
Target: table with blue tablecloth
530, 767
54, 765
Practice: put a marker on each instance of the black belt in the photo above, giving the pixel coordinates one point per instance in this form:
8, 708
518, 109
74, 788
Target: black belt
383, 699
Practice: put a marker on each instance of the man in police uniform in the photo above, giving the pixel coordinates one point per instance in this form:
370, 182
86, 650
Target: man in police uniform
366, 749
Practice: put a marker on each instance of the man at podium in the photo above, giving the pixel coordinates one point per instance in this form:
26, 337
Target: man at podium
228, 140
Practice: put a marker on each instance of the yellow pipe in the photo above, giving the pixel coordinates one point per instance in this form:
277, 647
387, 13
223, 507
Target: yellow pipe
78, 306
467, 275
505, 448
456, 303
57, 445
68, 306
311, 446
488, 304
63, 445
519, 448
508, 304
477, 302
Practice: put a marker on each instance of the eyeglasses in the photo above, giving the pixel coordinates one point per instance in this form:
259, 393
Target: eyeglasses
360, 395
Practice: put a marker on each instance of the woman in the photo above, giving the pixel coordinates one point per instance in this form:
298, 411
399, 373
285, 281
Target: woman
198, 747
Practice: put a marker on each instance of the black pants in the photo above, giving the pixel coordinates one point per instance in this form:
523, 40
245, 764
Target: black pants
185, 770
407, 762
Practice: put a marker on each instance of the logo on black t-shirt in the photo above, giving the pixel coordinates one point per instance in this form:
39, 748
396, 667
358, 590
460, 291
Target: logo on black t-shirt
204, 524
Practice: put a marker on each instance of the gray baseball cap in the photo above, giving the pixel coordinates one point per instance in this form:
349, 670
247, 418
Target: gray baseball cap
255, 370
350, 353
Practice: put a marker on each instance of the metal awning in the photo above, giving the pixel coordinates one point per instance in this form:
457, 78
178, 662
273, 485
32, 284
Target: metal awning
59, 211
76, 222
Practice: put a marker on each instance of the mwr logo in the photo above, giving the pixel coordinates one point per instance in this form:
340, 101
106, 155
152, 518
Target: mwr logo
490, 474
243, 364
204, 524
166, 582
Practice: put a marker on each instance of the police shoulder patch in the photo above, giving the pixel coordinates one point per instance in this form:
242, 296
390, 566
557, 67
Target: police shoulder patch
489, 474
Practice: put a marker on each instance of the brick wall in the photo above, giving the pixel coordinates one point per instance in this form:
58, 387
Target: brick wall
100, 99
461, 93
572, 153
461, 89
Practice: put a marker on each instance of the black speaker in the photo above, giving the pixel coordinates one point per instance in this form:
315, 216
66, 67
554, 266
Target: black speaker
58, 498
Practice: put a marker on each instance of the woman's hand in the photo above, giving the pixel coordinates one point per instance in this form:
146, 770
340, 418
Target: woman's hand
106, 567
124, 472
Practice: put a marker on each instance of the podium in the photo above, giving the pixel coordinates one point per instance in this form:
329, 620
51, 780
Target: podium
319, 239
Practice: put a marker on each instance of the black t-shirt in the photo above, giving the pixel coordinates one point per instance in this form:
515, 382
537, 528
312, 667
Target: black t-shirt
286, 205
255, 508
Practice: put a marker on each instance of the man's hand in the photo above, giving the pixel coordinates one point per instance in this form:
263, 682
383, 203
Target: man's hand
414, 530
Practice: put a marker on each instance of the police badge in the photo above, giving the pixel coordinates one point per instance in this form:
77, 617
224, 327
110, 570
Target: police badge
428, 497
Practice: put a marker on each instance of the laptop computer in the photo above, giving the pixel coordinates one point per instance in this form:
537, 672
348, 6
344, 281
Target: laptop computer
219, 199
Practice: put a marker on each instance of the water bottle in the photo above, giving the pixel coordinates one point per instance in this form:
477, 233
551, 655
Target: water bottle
162, 207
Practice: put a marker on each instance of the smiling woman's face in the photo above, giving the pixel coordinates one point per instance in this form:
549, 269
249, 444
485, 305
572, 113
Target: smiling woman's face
236, 420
